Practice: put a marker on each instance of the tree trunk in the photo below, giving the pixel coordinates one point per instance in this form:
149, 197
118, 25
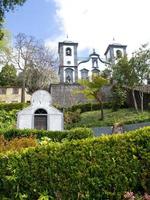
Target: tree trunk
98, 98
102, 111
141, 98
23, 89
134, 100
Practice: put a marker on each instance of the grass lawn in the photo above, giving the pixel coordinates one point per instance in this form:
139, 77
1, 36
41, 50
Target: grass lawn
126, 116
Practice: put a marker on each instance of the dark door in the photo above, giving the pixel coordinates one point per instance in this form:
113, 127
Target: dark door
40, 122
40, 119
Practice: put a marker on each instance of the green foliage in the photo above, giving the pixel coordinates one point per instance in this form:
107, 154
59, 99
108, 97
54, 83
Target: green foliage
133, 73
95, 168
84, 107
118, 97
7, 5
8, 114
55, 136
93, 90
124, 73
12, 106
8, 76
4, 41
71, 117
7, 119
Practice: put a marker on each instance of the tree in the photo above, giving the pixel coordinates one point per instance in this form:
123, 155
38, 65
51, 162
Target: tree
6, 6
40, 78
125, 77
131, 74
93, 90
35, 62
5, 47
140, 62
8, 76
118, 97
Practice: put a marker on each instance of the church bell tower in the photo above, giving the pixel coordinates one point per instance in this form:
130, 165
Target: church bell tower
115, 51
68, 66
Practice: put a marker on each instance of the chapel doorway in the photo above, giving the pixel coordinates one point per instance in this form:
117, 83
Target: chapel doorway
40, 119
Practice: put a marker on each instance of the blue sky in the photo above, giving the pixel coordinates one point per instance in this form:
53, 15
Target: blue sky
36, 18
91, 23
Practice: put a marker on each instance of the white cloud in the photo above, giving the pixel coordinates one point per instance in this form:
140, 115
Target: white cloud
94, 23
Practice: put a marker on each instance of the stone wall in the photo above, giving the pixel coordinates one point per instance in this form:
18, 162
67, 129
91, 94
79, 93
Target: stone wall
66, 95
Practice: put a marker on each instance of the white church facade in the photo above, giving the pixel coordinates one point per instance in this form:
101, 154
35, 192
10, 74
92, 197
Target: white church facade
70, 69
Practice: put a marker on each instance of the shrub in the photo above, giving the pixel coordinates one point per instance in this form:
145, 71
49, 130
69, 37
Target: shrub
55, 136
16, 144
96, 168
72, 117
118, 97
7, 119
12, 106
84, 107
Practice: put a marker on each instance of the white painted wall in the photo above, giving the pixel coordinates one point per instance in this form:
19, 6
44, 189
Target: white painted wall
24, 121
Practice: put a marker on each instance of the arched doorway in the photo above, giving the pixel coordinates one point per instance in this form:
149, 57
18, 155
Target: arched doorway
40, 119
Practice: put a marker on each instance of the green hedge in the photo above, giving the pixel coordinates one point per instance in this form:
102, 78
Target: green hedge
12, 106
92, 169
84, 107
55, 136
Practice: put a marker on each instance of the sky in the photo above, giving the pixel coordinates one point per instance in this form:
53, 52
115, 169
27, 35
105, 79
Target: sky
94, 24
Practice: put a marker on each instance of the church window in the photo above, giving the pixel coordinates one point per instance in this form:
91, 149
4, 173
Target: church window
119, 54
68, 51
84, 74
95, 72
40, 119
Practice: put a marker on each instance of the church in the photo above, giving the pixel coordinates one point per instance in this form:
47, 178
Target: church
71, 70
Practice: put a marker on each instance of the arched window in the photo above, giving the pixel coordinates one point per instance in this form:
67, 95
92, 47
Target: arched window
119, 53
40, 119
84, 73
69, 75
68, 51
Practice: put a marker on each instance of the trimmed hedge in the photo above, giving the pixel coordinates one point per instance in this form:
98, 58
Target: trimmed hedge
12, 106
92, 169
84, 107
55, 136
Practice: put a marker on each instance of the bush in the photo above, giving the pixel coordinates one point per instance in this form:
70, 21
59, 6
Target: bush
7, 119
72, 117
119, 96
16, 144
12, 106
55, 136
84, 107
96, 168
